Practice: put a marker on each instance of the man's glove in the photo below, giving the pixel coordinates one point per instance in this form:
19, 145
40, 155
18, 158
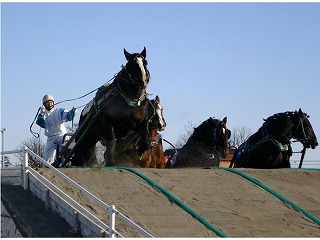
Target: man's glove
43, 110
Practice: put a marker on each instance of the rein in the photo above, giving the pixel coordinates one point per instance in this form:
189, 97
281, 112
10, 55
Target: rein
37, 135
305, 138
281, 147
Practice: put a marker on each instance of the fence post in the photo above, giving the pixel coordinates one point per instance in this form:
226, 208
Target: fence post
112, 221
25, 169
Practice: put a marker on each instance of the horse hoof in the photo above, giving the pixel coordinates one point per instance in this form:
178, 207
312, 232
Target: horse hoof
56, 165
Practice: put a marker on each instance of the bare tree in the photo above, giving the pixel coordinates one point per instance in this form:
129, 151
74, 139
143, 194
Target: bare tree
36, 146
239, 135
189, 128
6, 161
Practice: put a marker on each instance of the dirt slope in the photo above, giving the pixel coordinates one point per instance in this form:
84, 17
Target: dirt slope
227, 201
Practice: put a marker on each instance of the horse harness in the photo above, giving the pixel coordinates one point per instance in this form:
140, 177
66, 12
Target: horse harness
267, 137
116, 90
97, 109
247, 147
153, 143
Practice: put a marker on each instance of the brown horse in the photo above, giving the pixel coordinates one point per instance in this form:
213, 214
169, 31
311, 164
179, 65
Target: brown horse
153, 157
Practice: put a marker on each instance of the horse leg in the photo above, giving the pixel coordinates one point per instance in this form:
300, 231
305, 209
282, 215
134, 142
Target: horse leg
110, 144
86, 153
145, 139
91, 159
216, 159
283, 161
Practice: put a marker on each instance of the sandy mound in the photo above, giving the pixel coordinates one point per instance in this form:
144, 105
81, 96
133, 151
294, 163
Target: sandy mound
227, 201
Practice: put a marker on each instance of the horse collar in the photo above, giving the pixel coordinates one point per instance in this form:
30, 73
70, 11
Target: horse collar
133, 102
281, 147
155, 141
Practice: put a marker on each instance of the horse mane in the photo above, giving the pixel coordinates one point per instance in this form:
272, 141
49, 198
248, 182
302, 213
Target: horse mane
281, 124
202, 133
281, 119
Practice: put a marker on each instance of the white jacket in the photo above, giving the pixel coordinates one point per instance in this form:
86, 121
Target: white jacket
53, 121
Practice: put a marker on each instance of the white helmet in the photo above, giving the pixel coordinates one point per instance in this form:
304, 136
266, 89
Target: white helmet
47, 98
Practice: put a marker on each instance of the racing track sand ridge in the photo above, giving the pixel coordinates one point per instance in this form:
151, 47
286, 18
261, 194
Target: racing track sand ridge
232, 204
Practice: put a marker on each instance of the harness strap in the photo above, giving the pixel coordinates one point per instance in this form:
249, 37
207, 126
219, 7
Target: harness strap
281, 147
155, 141
107, 94
133, 102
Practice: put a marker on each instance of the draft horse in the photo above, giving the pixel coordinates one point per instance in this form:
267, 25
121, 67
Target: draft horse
208, 142
153, 157
117, 109
270, 146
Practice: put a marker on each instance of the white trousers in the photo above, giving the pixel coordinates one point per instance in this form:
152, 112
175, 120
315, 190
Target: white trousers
51, 147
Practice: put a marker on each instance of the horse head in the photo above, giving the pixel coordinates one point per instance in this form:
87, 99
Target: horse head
303, 131
136, 67
214, 132
221, 136
156, 114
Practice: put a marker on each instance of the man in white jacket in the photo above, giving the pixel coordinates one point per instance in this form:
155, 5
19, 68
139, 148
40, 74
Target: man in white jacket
52, 120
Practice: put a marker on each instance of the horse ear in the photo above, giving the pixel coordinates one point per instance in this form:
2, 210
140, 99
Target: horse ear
128, 55
225, 120
157, 99
144, 52
300, 112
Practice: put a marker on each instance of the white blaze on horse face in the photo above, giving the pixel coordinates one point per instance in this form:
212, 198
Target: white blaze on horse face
160, 116
143, 71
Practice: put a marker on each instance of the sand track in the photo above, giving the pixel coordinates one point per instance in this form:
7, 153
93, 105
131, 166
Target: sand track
229, 202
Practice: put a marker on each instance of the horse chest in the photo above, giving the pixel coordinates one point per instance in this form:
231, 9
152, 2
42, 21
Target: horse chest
124, 118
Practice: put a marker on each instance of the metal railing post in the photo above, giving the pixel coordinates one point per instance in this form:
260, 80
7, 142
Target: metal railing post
2, 147
112, 221
25, 169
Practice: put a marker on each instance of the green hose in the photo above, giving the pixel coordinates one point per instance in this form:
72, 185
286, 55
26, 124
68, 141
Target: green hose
282, 198
174, 199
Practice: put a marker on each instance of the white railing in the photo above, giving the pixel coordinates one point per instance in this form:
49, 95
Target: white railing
113, 212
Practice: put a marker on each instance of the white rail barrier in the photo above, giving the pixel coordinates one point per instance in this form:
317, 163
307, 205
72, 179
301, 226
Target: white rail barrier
113, 212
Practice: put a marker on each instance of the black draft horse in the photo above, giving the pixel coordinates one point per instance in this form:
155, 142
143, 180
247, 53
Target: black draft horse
208, 142
118, 108
153, 157
270, 146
